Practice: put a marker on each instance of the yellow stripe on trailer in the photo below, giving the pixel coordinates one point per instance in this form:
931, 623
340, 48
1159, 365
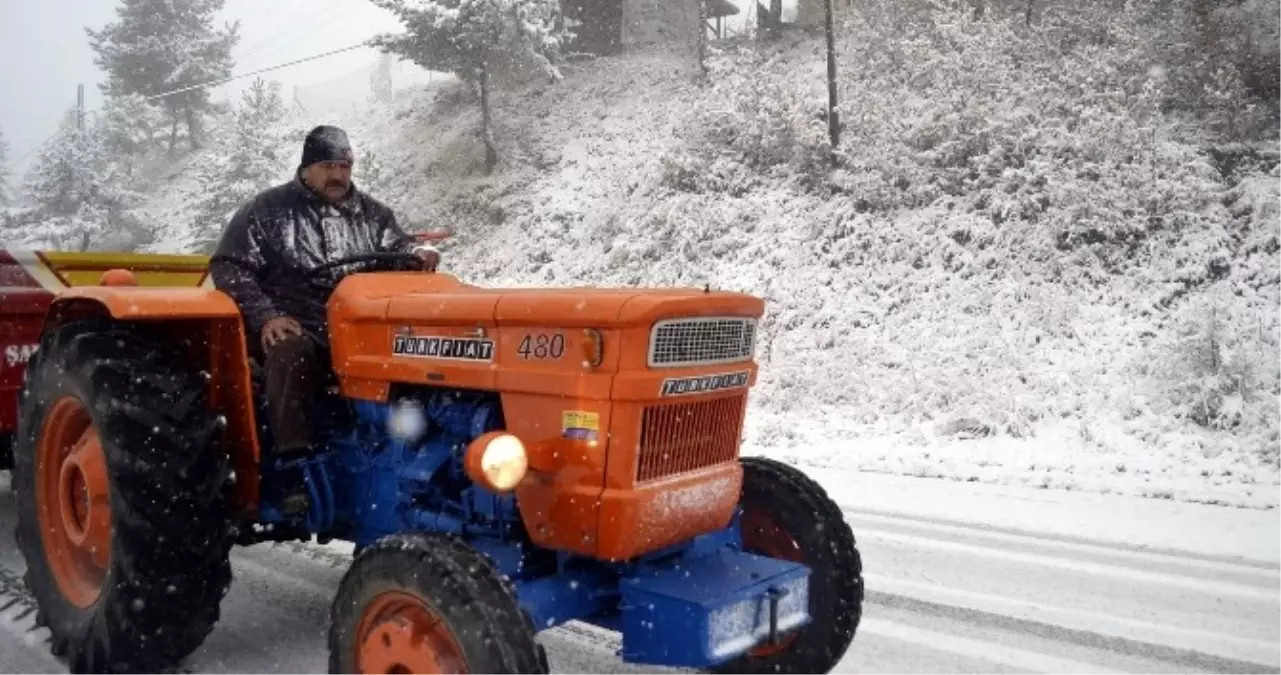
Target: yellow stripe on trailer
151, 269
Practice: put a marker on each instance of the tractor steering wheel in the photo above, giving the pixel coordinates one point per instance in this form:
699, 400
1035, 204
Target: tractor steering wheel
410, 260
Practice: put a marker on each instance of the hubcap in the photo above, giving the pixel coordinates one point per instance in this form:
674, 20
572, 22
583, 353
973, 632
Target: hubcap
72, 501
399, 633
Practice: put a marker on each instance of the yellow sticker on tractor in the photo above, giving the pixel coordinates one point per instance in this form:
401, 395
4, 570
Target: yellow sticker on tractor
580, 424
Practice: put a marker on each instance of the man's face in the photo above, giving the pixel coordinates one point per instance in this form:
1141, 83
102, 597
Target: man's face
331, 179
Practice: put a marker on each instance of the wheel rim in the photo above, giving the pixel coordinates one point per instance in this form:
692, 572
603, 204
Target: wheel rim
762, 534
399, 633
72, 498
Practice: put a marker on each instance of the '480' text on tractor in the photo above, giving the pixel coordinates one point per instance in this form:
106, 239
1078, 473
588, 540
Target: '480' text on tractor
503, 460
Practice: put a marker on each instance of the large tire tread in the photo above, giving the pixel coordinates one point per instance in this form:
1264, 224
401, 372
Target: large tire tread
461, 584
171, 540
802, 507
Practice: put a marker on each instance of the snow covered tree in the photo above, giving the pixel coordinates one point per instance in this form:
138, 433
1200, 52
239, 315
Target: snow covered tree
78, 191
471, 38
129, 127
254, 163
160, 46
6, 197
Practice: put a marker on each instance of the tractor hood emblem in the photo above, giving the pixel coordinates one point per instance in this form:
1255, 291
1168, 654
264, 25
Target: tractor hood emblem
442, 347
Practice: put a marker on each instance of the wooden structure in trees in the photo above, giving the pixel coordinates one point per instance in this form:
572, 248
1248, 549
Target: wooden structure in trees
607, 26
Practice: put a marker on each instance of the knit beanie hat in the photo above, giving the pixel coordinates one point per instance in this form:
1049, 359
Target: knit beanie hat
325, 144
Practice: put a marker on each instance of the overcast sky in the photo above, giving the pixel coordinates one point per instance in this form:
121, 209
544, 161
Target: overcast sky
45, 54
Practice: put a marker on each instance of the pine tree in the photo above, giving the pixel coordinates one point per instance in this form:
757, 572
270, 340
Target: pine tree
253, 164
78, 191
470, 37
159, 46
129, 127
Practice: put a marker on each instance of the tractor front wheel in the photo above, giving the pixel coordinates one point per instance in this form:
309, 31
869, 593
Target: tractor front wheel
785, 514
428, 603
119, 486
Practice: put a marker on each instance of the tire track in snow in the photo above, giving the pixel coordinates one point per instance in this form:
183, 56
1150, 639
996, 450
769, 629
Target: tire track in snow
1210, 615
1149, 555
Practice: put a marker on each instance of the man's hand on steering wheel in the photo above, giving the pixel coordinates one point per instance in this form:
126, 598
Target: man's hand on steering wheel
426, 259
429, 256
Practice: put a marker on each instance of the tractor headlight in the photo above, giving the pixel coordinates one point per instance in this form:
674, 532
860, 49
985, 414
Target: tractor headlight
497, 460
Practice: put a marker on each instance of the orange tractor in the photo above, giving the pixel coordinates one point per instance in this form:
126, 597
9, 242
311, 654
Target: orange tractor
504, 461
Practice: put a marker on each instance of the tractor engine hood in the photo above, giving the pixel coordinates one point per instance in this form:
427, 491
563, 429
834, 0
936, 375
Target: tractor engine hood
572, 367
416, 299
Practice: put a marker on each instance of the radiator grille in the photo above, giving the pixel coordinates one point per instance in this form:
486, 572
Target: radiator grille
682, 437
701, 341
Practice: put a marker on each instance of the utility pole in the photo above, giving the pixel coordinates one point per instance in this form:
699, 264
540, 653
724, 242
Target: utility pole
702, 38
833, 117
80, 108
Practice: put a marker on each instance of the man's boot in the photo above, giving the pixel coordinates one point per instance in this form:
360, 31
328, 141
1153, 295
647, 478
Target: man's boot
291, 480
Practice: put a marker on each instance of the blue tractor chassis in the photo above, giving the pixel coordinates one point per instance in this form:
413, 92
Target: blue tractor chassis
702, 610
695, 605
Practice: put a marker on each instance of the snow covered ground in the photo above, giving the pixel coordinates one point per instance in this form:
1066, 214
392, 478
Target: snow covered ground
1057, 458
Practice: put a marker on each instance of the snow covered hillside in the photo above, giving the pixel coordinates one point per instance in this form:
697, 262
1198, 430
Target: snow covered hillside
1022, 265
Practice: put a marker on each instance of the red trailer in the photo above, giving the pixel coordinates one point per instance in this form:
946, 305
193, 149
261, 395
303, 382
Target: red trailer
28, 282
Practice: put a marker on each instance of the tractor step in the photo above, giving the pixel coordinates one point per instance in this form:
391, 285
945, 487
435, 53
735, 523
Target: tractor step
704, 611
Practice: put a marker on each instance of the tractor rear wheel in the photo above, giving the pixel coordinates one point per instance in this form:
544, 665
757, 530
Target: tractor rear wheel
428, 603
120, 492
786, 515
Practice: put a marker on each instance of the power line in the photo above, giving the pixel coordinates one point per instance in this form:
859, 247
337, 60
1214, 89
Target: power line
364, 43
257, 72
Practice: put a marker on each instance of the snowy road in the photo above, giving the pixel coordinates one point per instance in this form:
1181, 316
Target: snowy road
943, 596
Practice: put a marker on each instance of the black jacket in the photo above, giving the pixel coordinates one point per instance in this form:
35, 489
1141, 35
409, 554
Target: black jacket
265, 253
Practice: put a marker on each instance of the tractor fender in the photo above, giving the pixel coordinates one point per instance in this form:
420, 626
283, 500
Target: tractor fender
132, 303
210, 321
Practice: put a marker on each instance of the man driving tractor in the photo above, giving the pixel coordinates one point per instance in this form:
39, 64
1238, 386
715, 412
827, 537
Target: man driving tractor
266, 261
